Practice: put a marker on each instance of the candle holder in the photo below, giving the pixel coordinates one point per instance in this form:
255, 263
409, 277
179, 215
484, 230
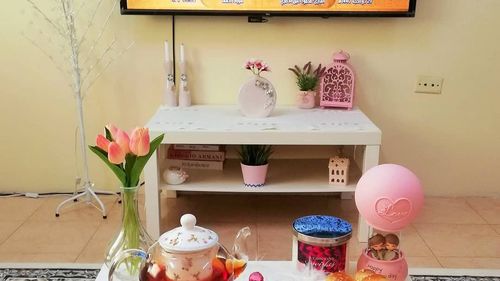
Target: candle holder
169, 96
184, 93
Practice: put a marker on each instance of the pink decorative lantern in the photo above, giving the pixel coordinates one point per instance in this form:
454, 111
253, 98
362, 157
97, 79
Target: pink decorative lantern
337, 84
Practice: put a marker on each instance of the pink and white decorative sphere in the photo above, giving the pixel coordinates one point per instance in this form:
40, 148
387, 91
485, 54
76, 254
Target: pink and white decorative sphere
337, 84
389, 197
256, 276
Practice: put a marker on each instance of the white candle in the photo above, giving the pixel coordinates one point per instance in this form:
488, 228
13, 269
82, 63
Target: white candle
167, 56
182, 53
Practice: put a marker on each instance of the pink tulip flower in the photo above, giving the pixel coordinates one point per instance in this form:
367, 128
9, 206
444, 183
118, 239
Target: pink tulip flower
115, 153
122, 139
113, 130
139, 141
102, 142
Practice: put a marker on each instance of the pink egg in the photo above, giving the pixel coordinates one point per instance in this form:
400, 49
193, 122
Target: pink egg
389, 197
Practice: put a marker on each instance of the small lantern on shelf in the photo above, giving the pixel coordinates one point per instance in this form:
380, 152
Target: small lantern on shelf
337, 84
338, 171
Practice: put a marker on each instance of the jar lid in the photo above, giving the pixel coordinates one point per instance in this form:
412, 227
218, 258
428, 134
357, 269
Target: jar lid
320, 229
188, 237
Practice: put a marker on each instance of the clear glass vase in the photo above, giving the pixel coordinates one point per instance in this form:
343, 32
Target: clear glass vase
132, 235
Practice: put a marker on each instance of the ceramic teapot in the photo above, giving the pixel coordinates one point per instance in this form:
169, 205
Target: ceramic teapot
188, 253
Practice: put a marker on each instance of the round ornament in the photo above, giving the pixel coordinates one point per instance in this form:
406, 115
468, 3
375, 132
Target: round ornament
389, 197
257, 98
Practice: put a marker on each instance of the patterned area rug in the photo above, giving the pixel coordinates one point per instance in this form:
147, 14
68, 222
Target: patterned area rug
453, 278
454, 274
48, 274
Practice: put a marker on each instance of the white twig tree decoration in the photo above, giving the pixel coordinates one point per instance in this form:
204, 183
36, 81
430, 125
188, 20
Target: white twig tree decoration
74, 35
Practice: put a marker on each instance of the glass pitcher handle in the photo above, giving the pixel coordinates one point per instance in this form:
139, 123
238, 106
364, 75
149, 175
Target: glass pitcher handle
124, 255
240, 247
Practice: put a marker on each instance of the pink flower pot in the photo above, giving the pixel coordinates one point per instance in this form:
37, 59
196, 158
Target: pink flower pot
306, 99
395, 270
254, 176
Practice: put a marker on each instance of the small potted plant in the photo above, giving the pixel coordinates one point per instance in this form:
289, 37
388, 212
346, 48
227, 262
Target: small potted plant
307, 80
254, 162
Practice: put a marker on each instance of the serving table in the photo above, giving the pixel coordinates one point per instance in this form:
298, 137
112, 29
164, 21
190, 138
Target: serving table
287, 126
272, 271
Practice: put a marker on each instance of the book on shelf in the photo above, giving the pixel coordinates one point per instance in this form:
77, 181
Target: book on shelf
202, 155
204, 147
196, 164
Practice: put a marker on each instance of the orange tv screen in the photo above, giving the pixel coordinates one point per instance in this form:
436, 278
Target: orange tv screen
272, 7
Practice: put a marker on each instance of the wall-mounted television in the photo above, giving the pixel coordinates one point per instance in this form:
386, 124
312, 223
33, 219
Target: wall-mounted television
269, 8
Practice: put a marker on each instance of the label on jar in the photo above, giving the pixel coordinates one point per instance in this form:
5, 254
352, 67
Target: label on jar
326, 259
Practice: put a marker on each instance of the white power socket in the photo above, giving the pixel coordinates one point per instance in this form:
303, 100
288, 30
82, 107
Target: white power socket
429, 84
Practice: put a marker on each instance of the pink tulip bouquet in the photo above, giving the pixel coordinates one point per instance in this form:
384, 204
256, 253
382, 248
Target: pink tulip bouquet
257, 66
126, 155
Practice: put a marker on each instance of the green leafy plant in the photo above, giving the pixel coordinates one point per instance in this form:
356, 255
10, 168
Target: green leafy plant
255, 155
307, 79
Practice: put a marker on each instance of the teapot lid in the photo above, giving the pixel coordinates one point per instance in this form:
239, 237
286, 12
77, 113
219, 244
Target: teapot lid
188, 237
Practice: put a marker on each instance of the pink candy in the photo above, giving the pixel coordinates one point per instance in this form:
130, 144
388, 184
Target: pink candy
256, 276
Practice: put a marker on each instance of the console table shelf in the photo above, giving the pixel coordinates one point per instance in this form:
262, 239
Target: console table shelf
284, 176
209, 124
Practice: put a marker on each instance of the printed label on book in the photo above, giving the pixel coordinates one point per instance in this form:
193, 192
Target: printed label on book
211, 147
203, 155
194, 164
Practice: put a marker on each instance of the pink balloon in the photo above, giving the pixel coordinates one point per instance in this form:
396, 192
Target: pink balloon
389, 197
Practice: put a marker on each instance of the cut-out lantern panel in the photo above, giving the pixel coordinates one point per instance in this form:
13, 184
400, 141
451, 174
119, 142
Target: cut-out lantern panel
337, 84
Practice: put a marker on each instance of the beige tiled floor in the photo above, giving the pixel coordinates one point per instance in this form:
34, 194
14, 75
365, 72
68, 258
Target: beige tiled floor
449, 232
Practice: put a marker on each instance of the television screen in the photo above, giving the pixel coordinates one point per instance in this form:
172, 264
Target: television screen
323, 8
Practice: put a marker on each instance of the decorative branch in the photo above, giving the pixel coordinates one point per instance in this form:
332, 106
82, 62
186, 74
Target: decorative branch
46, 18
51, 58
80, 8
98, 61
65, 24
98, 37
91, 21
104, 69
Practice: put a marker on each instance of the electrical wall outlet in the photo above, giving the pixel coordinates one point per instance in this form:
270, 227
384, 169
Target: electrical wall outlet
429, 84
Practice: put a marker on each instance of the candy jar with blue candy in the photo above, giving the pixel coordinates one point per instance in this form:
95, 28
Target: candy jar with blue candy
320, 243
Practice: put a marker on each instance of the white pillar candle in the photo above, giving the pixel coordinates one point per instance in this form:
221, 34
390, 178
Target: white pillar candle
167, 56
182, 53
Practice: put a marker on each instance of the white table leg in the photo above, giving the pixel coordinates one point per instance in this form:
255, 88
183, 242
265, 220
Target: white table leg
152, 196
370, 159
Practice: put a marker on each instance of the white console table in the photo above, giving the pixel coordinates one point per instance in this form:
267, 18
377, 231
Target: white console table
208, 124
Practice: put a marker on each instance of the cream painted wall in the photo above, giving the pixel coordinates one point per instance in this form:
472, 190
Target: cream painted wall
450, 140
